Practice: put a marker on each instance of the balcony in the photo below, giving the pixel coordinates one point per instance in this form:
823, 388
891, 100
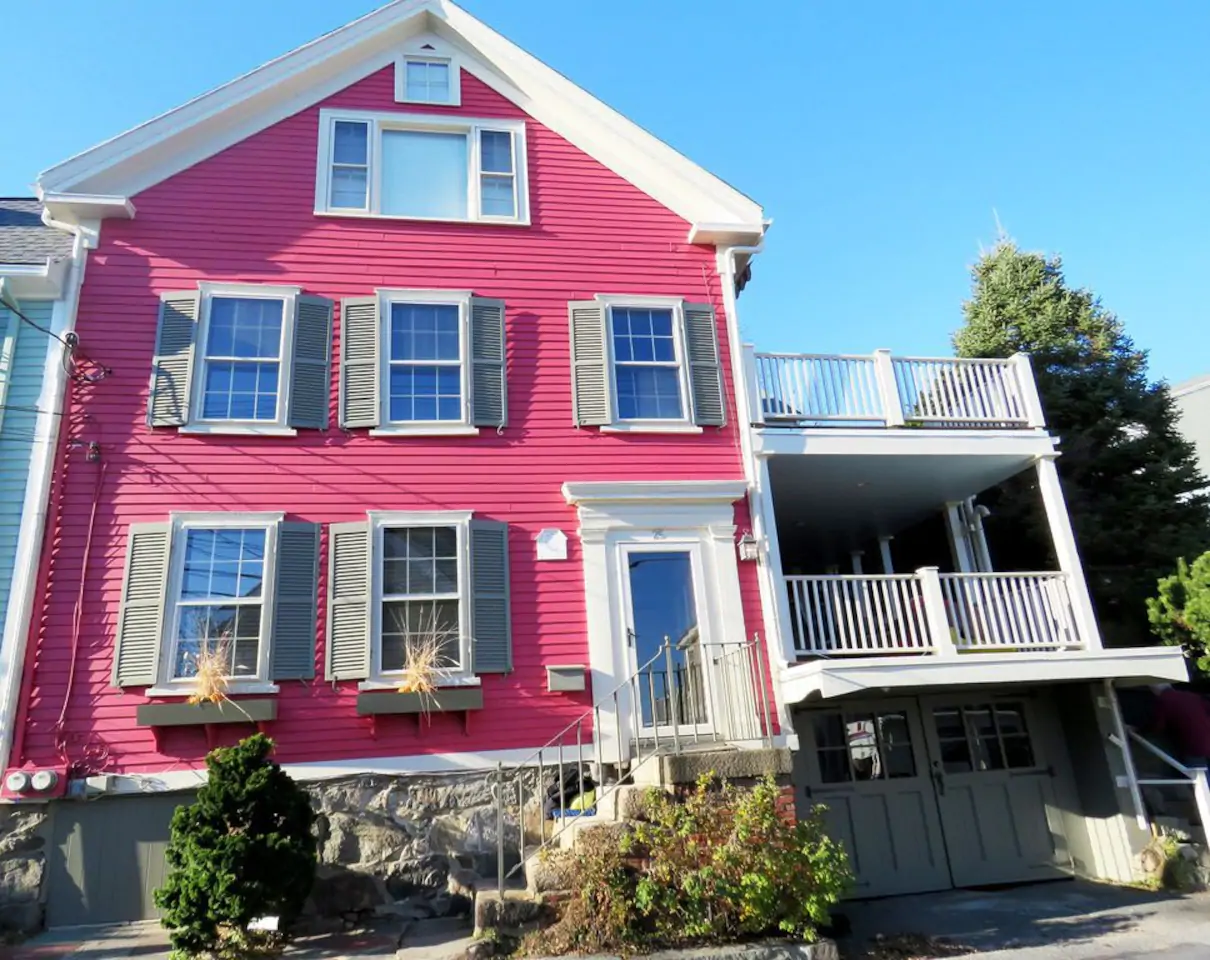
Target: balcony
928, 613
882, 391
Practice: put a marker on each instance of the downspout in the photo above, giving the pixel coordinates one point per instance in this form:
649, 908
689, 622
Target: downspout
757, 496
30, 547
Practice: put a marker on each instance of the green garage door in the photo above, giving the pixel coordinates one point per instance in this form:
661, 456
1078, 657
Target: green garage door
108, 858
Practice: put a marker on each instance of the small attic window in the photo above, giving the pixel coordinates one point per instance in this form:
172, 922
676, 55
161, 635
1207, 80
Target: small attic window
427, 77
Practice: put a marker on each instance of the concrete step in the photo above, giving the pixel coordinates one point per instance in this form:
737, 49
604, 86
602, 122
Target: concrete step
513, 912
547, 870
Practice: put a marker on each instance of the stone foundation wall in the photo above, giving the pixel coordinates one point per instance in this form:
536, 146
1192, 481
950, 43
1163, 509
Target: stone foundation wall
22, 867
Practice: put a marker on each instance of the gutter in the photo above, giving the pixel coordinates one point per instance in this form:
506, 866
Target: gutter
29, 558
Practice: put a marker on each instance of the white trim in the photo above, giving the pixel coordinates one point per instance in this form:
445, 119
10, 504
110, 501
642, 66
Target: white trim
380, 520
824, 441
234, 685
825, 679
237, 428
26, 561
378, 122
449, 680
387, 296
157, 149
676, 305
595, 492
44, 281
650, 426
78, 209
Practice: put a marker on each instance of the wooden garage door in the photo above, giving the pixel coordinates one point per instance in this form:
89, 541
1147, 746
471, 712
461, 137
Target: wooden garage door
108, 858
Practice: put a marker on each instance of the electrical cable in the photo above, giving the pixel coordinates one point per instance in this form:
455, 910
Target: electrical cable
37, 326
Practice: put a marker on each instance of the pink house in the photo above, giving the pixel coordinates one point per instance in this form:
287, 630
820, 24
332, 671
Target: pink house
402, 348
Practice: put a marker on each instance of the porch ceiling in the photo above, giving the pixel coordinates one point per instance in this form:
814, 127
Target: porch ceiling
847, 501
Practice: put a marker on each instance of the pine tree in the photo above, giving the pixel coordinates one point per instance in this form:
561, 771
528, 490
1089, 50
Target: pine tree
1180, 611
244, 850
1130, 479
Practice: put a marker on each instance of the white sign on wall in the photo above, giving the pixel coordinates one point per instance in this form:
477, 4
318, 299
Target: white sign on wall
552, 544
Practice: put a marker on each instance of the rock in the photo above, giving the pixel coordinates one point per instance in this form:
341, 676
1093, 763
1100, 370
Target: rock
427, 873
21, 917
21, 830
462, 882
346, 892
513, 913
20, 879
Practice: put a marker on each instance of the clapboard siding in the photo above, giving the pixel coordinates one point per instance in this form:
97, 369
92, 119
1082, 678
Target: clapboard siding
246, 215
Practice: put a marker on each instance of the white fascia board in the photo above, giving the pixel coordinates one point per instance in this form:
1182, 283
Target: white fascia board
828, 679
1026, 444
78, 208
646, 491
182, 137
26, 281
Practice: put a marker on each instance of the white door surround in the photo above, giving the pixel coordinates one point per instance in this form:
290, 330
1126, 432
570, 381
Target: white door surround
696, 516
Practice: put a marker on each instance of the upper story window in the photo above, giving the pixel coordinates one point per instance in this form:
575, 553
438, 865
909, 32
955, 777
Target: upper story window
647, 366
427, 80
425, 361
421, 167
241, 358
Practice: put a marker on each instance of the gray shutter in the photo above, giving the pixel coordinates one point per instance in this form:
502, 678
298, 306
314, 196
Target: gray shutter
172, 366
705, 367
141, 612
295, 590
489, 392
311, 375
591, 385
491, 622
359, 336
348, 656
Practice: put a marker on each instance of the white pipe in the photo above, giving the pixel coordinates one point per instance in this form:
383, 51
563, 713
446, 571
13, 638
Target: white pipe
37, 493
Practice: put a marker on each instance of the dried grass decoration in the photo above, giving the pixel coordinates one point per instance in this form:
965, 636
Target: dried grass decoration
210, 680
423, 660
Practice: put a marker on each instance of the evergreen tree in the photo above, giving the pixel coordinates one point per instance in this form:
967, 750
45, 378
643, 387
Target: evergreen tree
1180, 611
1129, 478
244, 850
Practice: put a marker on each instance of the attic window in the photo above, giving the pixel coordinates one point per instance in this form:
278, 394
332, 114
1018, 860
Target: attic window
425, 77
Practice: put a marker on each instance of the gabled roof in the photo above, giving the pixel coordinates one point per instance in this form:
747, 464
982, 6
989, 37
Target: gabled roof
24, 238
100, 179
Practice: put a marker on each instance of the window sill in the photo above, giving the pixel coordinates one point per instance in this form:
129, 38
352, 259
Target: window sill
239, 429
233, 689
435, 430
651, 428
200, 714
443, 700
367, 215
392, 686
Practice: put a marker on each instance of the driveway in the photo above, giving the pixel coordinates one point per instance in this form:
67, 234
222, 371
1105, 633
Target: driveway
1072, 920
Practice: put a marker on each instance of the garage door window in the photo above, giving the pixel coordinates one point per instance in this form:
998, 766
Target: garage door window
983, 737
865, 745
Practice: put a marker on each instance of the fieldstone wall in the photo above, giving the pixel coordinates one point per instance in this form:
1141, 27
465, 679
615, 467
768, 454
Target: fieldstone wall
414, 846
22, 867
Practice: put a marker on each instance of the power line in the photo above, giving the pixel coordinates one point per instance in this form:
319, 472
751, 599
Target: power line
70, 344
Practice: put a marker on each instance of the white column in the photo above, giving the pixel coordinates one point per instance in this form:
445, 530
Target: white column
884, 549
1065, 549
888, 389
1034, 415
751, 375
855, 556
960, 548
934, 612
978, 537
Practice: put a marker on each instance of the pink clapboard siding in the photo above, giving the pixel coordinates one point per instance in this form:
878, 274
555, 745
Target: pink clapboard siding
246, 214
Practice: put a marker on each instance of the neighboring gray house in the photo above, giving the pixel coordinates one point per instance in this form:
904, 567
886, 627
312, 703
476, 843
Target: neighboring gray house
1193, 400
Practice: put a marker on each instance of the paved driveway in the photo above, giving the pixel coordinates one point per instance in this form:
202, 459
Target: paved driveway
1072, 920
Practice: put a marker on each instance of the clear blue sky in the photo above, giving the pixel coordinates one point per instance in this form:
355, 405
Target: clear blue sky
880, 136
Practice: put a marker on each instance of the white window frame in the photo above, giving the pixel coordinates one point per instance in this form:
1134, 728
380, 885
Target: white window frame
428, 56
460, 427
377, 122
277, 426
682, 424
382, 520
182, 523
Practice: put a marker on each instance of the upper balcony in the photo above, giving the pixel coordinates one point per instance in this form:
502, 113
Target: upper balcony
884, 392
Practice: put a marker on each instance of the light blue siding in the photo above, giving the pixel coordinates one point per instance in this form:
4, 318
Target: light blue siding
16, 434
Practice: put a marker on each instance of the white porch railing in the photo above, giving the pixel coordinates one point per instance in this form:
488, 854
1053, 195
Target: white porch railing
882, 390
927, 612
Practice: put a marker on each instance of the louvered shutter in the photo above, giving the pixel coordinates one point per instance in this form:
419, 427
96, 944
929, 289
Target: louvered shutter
311, 375
172, 366
489, 392
359, 337
491, 621
141, 612
591, 393
348, 656
705, 366
296, 587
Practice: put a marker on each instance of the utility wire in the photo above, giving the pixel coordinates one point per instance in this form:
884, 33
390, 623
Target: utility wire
38, 326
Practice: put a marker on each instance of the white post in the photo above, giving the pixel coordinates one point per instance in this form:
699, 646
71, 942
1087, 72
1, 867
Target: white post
1065, 549
960, 547
888, 389
884, 548
978, 536
855, 556
1201, 794
756, 402
1122, 739
1034, 415
934, 612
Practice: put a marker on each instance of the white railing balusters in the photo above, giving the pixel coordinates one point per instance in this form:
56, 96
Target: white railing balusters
858, 615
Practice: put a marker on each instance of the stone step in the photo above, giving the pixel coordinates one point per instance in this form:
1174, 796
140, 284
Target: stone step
546, 871
513, 912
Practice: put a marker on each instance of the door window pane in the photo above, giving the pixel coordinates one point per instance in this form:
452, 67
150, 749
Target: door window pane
983, 737
895, 739
424, 174
663, 605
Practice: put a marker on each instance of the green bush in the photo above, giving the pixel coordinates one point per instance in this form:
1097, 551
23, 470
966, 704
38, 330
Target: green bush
244, 850
716, 866
1180, 611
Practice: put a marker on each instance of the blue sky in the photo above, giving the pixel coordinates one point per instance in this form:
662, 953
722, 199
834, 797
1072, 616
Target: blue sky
879, 136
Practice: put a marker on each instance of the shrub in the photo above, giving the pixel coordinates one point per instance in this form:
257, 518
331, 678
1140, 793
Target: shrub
1180, 611
718, 865
244, 850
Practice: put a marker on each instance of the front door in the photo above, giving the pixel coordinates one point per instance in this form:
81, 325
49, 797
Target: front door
664, 637
994, 789
867, 764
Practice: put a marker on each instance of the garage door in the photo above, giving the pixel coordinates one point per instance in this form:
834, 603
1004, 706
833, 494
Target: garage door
934, 792
108, 858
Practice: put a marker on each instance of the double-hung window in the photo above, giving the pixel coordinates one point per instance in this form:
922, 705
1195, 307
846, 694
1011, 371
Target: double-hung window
426, 361
646, 363
242, 359
422, 167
